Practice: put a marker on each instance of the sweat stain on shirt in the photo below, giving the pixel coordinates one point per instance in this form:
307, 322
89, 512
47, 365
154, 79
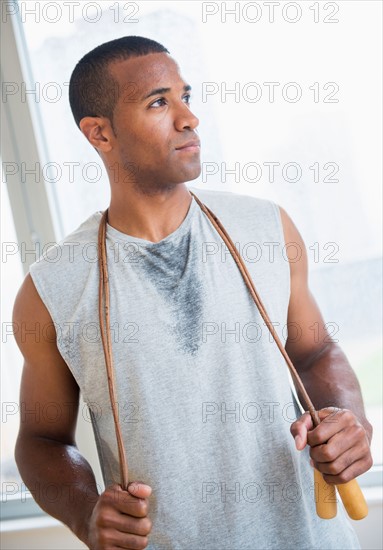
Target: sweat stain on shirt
167, 270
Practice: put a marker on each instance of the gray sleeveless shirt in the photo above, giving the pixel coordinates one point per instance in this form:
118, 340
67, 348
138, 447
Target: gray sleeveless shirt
204, 398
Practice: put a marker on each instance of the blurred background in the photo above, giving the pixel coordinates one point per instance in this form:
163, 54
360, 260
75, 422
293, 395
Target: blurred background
289, 101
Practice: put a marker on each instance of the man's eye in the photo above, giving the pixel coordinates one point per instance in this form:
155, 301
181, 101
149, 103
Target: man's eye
158, 103
187, 98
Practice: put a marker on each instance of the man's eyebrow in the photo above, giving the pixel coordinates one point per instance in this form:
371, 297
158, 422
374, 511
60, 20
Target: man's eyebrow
158, 91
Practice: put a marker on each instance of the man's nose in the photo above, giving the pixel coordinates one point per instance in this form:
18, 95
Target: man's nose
185, 119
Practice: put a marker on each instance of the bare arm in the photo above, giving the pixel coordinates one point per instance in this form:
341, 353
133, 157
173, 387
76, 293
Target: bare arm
340, 447
58, 476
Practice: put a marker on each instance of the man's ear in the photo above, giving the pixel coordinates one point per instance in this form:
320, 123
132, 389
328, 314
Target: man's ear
98, 131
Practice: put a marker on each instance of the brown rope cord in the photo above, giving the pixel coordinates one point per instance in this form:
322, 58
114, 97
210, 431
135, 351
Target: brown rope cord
104, 308
104, 303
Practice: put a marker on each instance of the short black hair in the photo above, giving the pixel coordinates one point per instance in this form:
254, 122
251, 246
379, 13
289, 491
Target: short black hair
92, 89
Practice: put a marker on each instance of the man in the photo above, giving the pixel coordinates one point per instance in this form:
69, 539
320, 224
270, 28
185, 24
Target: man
204, 401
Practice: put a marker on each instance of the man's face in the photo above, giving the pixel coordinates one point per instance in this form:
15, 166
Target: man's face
153, 122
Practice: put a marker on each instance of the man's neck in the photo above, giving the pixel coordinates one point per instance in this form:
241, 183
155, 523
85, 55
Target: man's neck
151, 217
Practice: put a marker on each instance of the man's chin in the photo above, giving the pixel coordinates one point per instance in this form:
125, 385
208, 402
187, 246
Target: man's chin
194, 173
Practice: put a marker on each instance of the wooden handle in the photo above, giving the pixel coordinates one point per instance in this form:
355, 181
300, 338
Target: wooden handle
325, 497
350, 493
353, 499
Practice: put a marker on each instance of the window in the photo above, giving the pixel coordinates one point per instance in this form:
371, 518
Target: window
12, 277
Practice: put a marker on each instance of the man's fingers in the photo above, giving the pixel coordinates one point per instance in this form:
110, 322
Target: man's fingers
131, 525
139, 489
340, 447
126, 503
343, 456
133, 506
335, 456
119, 519
338, 444
332, 423
299, 430
132, 542
116, 540
354, 470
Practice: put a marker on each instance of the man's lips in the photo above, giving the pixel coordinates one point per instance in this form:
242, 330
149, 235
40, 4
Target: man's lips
193, 145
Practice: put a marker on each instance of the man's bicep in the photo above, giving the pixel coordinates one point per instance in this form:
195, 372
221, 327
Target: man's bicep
49, 395
307, 334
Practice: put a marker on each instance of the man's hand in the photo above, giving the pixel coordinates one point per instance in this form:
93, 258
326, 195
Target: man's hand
119, 519
340, 445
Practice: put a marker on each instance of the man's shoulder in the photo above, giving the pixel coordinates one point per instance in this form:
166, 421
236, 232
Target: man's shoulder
80, 245
87, 231
233, 204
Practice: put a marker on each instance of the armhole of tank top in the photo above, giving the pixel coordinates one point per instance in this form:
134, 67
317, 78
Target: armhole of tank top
100, 451
278, 218
46, 302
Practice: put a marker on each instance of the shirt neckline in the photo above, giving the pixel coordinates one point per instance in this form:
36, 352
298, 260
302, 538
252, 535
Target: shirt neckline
117, 235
